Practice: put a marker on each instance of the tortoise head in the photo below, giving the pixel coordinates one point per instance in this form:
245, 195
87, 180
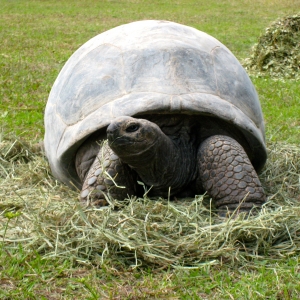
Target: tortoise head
133, 139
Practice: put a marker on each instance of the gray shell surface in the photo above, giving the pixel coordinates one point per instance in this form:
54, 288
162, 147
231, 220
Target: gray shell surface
147, 67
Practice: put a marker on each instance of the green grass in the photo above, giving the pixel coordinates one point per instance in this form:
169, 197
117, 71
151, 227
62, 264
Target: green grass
37, 37
29, 276
280, 105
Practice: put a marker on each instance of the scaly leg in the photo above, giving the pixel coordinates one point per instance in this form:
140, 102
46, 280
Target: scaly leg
228, 176
108, 176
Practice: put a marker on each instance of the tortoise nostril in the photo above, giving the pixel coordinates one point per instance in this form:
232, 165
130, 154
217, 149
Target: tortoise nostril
132, 128
111, 128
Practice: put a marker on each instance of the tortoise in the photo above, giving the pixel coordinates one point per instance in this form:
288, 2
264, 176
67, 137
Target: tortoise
159, 103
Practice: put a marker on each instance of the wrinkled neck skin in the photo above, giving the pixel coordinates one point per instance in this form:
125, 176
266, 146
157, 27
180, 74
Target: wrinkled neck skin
161, 160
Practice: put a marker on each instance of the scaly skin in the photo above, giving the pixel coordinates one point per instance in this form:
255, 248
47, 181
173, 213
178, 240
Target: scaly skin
108, 175
228, 176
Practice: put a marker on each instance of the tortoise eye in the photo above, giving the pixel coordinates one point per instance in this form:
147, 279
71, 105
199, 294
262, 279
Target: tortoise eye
132, 128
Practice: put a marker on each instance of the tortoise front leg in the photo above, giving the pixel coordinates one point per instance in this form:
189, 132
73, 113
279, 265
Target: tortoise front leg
228, 176
108, 176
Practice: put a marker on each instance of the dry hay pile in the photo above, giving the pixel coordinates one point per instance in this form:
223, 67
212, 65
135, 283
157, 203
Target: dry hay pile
45, 216
277, 52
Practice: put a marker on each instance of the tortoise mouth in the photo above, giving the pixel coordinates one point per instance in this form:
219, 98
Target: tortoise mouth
122, 141
131, 150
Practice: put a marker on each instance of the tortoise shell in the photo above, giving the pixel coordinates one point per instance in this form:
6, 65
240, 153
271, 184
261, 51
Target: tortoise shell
147, 67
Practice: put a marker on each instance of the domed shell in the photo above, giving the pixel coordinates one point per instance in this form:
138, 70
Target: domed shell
147, 67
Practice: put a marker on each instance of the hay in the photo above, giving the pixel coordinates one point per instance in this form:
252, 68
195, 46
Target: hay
277, 52
43, 215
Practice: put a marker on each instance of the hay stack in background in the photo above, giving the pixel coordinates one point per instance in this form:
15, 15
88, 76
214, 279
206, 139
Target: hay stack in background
43, 215
277, 52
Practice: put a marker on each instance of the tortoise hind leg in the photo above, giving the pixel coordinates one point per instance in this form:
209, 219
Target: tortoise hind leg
228, 176
107, 176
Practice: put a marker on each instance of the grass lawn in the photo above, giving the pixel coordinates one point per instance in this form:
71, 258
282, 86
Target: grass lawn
37, 37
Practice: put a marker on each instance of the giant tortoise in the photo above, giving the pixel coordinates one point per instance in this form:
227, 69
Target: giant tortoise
160, 103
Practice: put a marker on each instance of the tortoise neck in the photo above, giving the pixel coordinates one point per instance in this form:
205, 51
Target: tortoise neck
169, 163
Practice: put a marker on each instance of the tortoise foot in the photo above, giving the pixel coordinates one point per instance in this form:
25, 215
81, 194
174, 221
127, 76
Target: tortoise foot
228, 176
107, 177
